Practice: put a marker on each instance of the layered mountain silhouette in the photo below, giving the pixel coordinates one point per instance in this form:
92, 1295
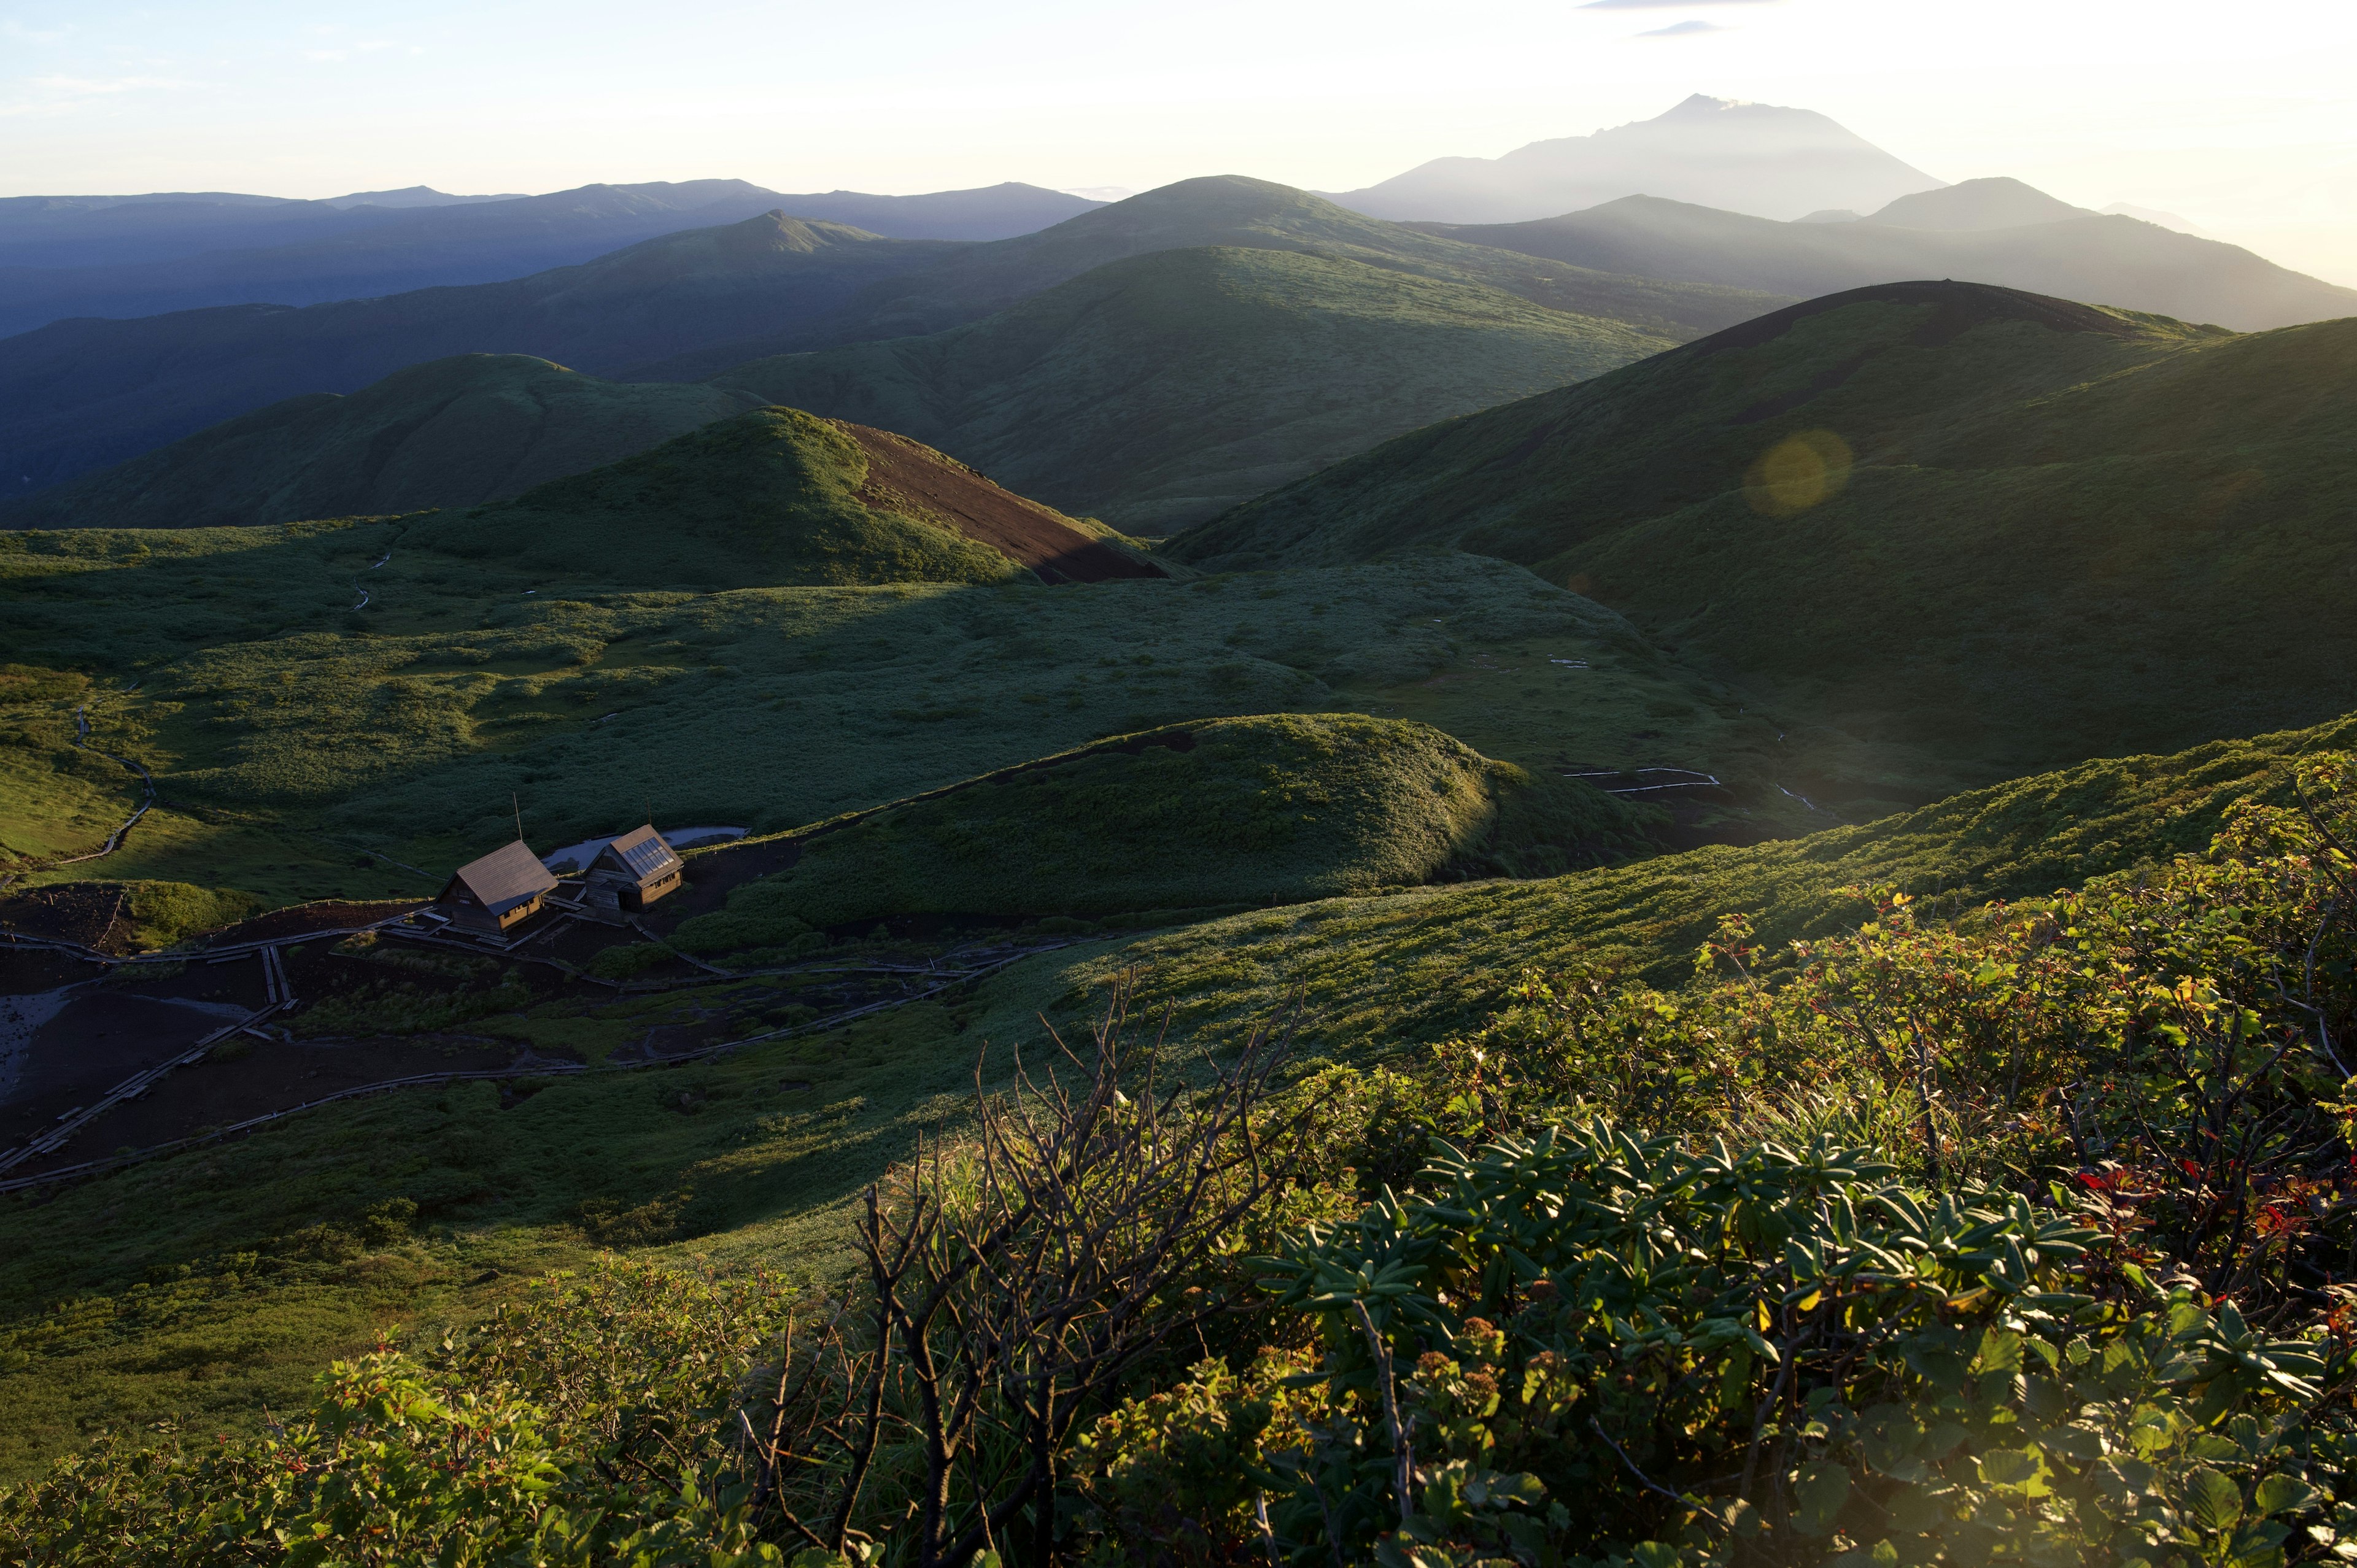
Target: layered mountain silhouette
1988, 230
1753, 159
452, 432
1231, 210
1944, 512
416, 196
114, 256
80, 395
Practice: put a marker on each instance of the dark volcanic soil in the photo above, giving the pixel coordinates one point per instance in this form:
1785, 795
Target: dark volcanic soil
906, 478
301, 919
254, 1077
90, 913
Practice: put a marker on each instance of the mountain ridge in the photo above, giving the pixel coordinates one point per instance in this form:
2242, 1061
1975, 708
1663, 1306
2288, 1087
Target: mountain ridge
77, 396
64, 257
1824, 502
2110, 259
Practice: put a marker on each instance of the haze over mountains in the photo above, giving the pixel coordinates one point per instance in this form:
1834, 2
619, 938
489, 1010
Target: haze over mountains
116, 256
1988, 231
1752, 158
1040, 389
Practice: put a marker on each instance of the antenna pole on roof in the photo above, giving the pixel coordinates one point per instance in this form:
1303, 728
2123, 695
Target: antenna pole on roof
519, 814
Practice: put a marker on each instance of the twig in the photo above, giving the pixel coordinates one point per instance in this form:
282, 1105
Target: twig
1647, 1481
1403, 1457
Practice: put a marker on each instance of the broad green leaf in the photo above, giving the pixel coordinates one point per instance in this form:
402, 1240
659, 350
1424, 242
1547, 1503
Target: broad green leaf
1820, 1491
2213, 1501
2283, 1493
2009, 1466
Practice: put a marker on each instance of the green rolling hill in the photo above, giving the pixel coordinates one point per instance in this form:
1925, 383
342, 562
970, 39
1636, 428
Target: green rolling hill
1276, 809
768, 498
2014, 529
1158, 391
763, 1152
450, 433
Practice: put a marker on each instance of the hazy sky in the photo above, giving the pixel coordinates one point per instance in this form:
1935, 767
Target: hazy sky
2242, 118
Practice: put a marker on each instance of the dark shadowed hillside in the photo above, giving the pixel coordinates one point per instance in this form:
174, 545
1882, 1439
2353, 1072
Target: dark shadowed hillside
2008, 525
66, 256
78, 395
452, 432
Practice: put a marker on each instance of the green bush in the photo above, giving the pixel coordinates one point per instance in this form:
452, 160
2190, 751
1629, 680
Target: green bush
166, 912
594, 1423
1603, 1346
629, 960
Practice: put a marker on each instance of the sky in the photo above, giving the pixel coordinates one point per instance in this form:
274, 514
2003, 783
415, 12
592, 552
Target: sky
2240, 119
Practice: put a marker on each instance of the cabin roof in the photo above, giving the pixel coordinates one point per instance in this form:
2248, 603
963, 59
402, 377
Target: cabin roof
642, 853
508, 876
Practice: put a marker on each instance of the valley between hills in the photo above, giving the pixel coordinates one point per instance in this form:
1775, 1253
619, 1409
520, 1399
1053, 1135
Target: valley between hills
1726, 831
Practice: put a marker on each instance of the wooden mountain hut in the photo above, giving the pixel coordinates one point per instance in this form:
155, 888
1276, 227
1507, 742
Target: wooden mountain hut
502, 889
631, 873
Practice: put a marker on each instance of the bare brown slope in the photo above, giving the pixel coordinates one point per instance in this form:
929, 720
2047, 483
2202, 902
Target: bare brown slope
918, 481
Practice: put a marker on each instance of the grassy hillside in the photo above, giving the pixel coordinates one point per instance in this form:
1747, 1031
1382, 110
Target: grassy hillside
767, 498
2013, 529
1160, 391
207, 1286
1271, 810
452, 432
1416, 965
83, 394
2113, 261
295, 735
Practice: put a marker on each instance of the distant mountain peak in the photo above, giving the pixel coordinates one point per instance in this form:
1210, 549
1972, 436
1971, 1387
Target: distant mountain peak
1701, 106
1998, 202
416, 196
1761, 159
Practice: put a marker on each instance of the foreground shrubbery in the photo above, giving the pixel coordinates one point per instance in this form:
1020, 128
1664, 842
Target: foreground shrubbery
2014, 1235
592, 1423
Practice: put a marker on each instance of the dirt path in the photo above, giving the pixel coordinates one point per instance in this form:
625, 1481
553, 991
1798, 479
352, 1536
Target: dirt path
906, 478
51, 1142
114, 840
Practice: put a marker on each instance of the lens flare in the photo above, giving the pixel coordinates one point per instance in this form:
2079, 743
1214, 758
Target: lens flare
1797, 473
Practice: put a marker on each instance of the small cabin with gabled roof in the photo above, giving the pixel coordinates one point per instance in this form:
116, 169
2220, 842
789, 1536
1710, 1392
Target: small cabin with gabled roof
502, 889
632, 871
